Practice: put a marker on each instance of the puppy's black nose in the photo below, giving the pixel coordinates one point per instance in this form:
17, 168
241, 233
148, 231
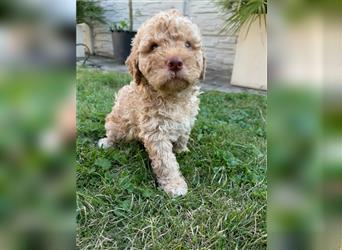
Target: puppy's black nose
174, 64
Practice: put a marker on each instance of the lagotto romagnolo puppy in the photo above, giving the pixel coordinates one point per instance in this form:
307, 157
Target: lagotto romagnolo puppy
160, 105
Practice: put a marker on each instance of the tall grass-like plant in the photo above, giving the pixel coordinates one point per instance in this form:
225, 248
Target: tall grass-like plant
130, 15
242, 13
88, 11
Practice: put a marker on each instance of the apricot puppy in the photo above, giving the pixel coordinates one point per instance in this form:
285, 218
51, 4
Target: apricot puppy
160, 105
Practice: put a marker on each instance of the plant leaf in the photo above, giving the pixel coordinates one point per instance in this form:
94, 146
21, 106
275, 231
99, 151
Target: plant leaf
103, 163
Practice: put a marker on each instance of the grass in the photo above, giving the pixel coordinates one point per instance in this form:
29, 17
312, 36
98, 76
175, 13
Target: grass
119, 205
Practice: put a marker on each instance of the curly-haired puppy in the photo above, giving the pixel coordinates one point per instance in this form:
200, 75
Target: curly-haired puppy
160, 105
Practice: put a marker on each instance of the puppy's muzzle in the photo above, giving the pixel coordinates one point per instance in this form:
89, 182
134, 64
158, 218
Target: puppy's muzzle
174, 64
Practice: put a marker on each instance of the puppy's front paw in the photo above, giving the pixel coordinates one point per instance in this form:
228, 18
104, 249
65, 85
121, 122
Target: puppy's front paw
104, 143
176, 187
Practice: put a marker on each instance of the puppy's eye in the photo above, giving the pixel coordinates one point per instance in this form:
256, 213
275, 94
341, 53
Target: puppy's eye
153, 46
187, 44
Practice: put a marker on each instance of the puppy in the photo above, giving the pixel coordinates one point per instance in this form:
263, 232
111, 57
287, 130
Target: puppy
160, 105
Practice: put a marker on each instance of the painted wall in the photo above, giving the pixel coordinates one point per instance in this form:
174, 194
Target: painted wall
219, 48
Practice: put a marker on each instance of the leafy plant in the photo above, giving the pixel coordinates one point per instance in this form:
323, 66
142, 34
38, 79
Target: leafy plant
242, 12
88, 11
120, 27
123, 25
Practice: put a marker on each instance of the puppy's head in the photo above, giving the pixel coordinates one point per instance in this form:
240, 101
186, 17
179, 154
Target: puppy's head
167, 53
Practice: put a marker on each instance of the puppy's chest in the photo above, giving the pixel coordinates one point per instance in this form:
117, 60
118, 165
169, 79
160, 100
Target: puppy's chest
177, 119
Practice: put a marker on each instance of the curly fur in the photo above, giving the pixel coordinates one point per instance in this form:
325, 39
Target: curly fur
159, 107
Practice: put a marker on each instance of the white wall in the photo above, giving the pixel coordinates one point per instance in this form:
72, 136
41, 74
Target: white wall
219, 48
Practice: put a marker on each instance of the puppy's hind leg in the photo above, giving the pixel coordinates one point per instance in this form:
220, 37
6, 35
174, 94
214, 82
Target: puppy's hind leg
114, 132
104, 143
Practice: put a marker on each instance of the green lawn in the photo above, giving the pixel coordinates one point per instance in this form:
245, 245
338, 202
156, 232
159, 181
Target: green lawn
119, 205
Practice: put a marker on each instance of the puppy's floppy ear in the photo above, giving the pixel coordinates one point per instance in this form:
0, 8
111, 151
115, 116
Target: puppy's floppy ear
132, 61
202, 76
